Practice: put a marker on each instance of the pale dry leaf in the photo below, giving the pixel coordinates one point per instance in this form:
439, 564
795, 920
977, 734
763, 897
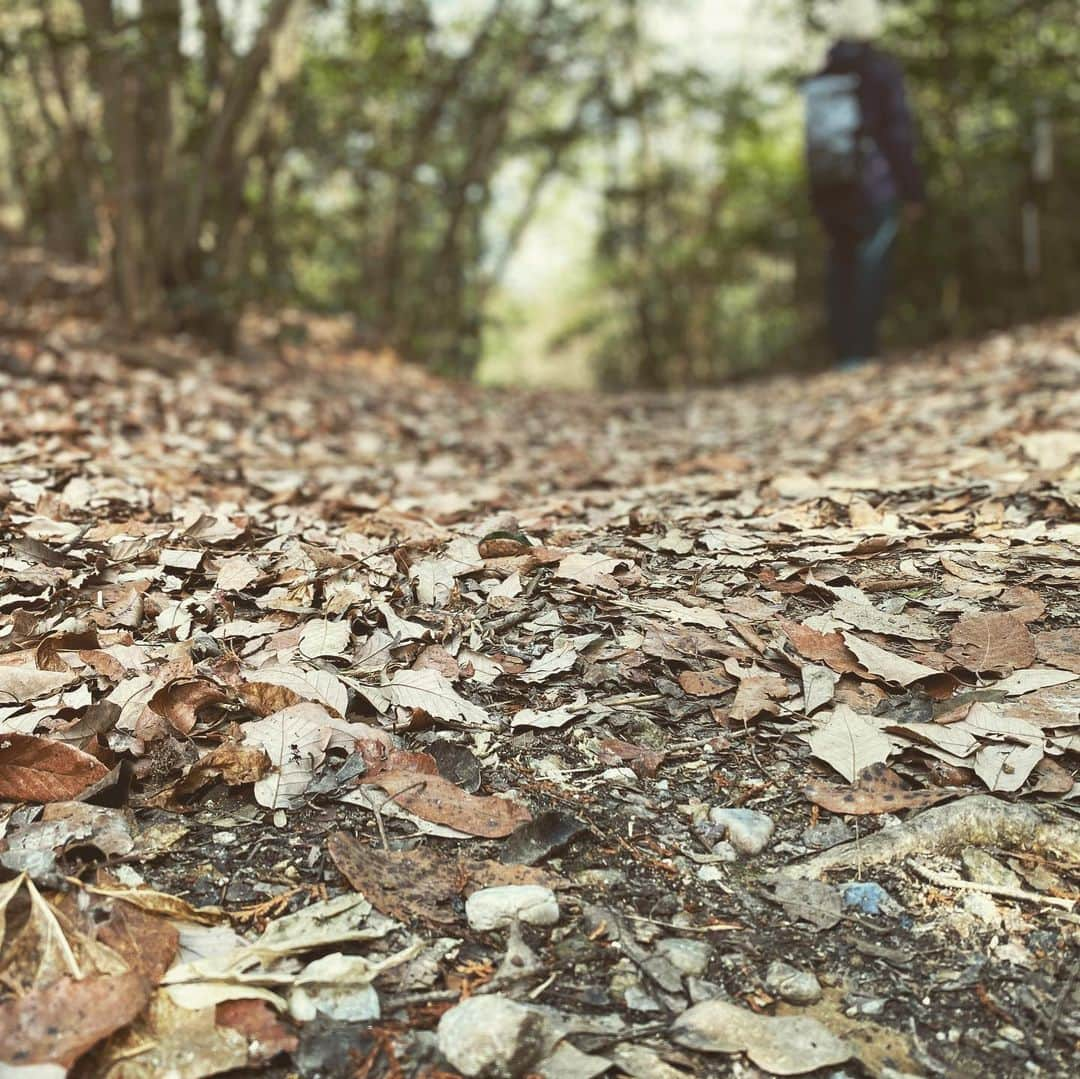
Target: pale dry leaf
849, 742
322, 637
887, 665
591, 569
430, 691
319, 686
18, 685
295, 740
1006, 768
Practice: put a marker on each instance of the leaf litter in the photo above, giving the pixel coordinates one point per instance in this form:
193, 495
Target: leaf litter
278, 693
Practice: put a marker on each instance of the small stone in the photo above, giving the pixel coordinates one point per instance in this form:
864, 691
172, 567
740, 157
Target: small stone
689, 956
793, 985
600, 878
700, 989
824, 836
985, 869
747, 830
637, 1000
1012, 1034
867, 1006
224, 839
496, 908
492, 1037
982, 907
868, 897
711, 874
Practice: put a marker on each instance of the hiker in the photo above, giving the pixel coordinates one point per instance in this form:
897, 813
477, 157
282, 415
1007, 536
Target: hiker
860, 145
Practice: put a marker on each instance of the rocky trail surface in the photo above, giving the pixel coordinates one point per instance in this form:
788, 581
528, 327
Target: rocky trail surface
357, 724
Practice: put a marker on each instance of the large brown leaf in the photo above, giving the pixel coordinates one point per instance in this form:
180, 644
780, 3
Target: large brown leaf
60, 1022
877, 789
421, 883
992, 642
181, 700
437, 800
827, 648
36, 769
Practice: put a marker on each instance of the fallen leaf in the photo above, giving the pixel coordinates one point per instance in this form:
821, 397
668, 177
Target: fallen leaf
182, 699
34, 769
992, 642
887, 665
421, 883
295, 740
438, 800
849, 742
877, 789
788, 1045
61, 1021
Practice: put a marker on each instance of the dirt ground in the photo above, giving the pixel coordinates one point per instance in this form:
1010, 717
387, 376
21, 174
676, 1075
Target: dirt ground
312, 624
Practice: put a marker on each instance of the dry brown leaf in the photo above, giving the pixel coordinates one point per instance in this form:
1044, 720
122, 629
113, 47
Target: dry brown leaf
645, 762
710, 683
257, 1021
878, 789
438, 800
181, 700
1060, 648
758, 694
60, 1022
47, 654
999, 643
827, 648
34, 769
421, 883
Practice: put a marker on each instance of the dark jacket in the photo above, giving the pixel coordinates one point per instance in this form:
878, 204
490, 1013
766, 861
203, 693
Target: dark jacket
891, 171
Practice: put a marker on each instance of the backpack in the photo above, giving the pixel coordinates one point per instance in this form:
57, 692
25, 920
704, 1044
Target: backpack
834, 129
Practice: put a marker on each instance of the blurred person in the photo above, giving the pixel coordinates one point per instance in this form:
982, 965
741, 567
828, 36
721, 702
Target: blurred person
860, 148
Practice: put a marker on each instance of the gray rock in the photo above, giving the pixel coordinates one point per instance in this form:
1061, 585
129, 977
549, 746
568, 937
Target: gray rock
689, 956
824, 836
496, 908
600, 878
747, 830
493, 1037
637, 1000
793, 985
985, 869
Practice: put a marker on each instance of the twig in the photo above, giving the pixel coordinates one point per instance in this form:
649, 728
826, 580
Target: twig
943, 880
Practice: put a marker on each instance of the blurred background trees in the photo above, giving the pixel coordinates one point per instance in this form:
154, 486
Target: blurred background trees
404, 162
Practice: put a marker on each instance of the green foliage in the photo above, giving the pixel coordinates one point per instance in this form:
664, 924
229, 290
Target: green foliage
372, 159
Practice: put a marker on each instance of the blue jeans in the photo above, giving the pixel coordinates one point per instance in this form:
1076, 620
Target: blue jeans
860, 263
